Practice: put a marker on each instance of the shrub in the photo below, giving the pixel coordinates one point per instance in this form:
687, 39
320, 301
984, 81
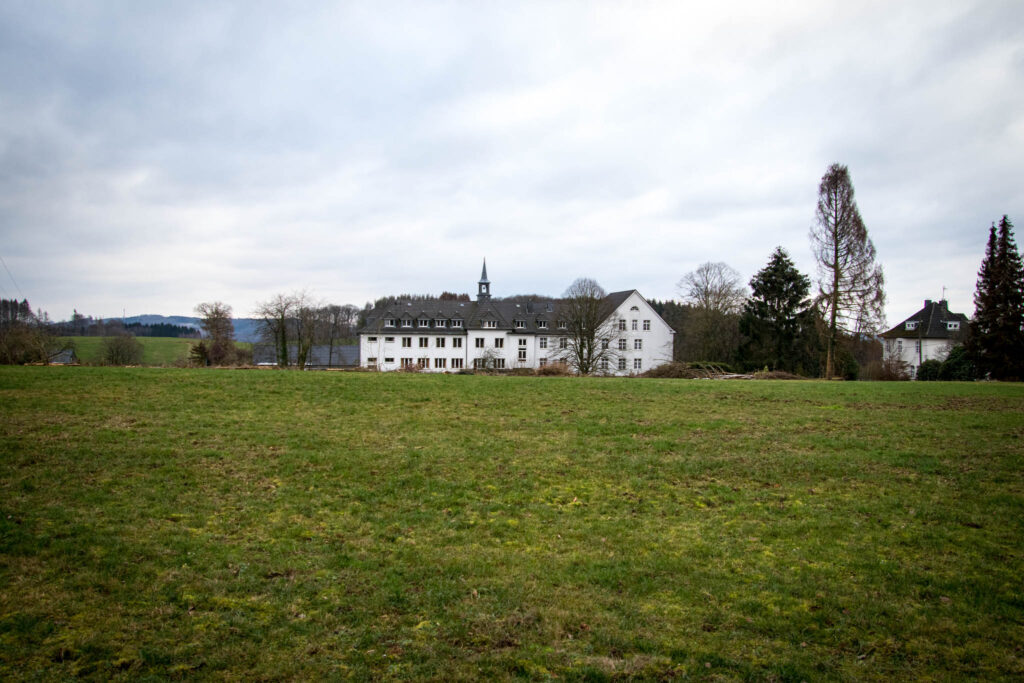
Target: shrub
893, 370
122, 349
554, 370
958, 367
929, 370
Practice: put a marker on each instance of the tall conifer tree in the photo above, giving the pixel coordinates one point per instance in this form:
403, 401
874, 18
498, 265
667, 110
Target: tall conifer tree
997, 331
775, 319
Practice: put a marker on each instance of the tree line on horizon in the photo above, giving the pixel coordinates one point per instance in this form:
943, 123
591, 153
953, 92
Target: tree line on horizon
779, 325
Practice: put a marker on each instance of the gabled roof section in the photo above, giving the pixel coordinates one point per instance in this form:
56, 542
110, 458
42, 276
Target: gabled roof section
931, 322
619, 298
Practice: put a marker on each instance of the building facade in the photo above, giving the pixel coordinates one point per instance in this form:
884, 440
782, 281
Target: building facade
929, 334
443, 335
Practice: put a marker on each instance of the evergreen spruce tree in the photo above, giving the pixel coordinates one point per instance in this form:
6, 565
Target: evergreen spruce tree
996, 344
774, 317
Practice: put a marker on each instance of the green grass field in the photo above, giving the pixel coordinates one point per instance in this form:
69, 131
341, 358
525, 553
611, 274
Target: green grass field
286, 525
156, 351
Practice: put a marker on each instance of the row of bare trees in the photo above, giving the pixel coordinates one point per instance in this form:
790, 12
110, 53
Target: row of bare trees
297, 322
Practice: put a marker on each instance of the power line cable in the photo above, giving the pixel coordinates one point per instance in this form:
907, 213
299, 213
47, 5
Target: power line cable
10, 275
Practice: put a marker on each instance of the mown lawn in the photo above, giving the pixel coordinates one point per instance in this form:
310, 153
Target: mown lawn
287, 525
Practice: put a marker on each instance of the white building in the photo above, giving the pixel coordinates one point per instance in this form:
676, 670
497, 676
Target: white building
447, 335
929, 334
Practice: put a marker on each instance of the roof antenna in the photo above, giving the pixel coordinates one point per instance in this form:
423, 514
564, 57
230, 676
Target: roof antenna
943, 292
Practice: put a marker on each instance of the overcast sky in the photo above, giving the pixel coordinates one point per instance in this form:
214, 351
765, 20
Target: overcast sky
158, 155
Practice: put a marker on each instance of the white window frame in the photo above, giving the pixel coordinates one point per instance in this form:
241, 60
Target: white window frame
542, 342
499, 342
638, 344
456, 342
439, 342
647, 325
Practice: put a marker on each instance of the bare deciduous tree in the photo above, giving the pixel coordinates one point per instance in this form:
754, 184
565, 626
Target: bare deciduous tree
715, 295
275, 315
850, 283
587, 315
219, 330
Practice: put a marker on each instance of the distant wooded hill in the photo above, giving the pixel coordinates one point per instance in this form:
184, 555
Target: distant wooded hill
246, 329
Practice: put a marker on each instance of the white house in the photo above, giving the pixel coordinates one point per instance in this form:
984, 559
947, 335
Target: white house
929, 334
447, 335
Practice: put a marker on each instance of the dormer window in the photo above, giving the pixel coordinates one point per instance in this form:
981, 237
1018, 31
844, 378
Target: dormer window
457, 323
953, 325
406, 322
542, 324
911, 325
438, 322
561, 324
423, 322
389, 322
519, 324
491, 324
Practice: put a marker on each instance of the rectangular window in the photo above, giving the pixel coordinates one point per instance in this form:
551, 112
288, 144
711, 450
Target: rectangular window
543, 361
372, 360
911, 324
542, 324
479, 342
491, 324
561, 324
499, 343
406, 342
439, 323
604, 363
407, 362
406, 323
389, 360
622, 324
953, 325
440, 342
389, 322
522, 342
622, 345
372, 340
637, 364
389, 340
563, 342
456, 363
633, 325
519, 324
499, 363
638, 344
604, 344
423, 362
542, 342
456, 342
899, 346
522, 354
457, 324
423, 322
440, 362
478, 363
424, 342
622, 364
647, 325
